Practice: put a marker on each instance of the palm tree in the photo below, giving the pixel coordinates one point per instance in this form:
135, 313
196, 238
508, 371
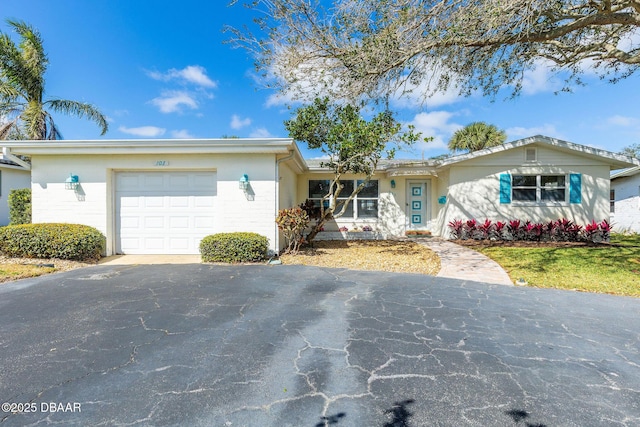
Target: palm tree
24, 113
476, 136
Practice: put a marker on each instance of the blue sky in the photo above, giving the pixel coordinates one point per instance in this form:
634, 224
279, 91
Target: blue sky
160, 69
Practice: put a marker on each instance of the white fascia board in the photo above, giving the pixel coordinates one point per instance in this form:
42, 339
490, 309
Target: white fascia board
625, 172
20, 164
616, 161
142, 146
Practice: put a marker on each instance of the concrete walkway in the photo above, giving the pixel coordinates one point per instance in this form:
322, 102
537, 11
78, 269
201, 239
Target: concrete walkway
150, 259
458, 262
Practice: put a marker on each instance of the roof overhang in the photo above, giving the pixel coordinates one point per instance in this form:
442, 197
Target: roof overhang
615, 161
154, 146
626, 172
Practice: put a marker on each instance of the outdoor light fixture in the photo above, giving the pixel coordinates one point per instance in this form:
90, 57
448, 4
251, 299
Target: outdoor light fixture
393, 183
72, 182
244, 182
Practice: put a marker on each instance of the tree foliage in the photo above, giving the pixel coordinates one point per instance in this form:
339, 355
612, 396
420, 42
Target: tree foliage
351, 145
476, 136
24, 113
632, 150
379, 48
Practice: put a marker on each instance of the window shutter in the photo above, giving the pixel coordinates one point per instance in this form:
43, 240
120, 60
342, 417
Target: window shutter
575, 188
505, 188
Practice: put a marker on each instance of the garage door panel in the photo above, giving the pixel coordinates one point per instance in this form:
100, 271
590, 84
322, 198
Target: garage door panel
179, 243
154, 182
177, 181
179, 222
130, 222
156, 222
179, 202
153, 202
203, 222
164, 212
203, 202
130, 202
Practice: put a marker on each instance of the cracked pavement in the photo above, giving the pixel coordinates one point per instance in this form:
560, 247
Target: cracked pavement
210, 345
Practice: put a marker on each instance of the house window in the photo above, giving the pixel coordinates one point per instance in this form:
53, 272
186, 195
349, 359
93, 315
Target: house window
612, 200
364, 205
538, 188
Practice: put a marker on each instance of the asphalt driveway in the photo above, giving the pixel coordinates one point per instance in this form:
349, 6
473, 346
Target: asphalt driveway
201, 345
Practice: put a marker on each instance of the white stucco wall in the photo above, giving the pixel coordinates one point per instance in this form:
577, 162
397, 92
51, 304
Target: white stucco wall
93, 204
474, 188
11, 179
626, 217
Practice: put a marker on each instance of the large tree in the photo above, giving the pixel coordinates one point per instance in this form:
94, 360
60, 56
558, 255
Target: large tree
632, 150
24, 112
382, 47
476, 136
350, 143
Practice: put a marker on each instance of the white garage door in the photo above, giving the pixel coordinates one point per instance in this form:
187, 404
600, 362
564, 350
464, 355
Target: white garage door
163, 212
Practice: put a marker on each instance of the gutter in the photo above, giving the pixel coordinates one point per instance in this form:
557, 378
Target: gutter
6, 153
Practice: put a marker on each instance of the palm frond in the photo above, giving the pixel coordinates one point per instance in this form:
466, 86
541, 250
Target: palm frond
80, 109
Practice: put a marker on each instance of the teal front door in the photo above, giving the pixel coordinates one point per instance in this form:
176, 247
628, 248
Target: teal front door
418, 205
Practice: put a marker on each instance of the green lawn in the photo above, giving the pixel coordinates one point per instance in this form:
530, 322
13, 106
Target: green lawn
10, 272
610, 269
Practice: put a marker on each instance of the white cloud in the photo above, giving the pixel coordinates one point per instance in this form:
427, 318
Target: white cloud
540, 79
436, 124
194, 74
144, 131
624, 121
171, 101
238, 123
181, 134
260, 133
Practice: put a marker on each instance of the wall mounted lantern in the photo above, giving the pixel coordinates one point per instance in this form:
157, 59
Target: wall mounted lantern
244, 182
72, 182
393, 183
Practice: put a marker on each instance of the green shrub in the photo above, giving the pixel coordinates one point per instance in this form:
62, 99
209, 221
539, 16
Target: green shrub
234, 247
20, 206
62, 241
292, 222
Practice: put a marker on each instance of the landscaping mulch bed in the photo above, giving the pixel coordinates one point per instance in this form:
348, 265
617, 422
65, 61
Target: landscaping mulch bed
373, 255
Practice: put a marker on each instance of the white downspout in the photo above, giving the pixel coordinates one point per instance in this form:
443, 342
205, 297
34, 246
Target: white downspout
6, 153
277, 201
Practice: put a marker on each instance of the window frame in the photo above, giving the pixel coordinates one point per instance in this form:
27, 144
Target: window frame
539, 190
612, 200
353, 210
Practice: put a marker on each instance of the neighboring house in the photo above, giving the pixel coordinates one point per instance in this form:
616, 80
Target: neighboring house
163, 196
625, 200
12, 177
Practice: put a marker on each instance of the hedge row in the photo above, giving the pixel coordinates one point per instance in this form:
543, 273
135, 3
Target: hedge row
62, 241
234, 247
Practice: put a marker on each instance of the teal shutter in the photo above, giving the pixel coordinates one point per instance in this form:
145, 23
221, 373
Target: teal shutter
505, 188
575, 188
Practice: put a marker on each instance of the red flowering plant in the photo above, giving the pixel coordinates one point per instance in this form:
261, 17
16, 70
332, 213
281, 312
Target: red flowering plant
456, 227
497, 230
484, 229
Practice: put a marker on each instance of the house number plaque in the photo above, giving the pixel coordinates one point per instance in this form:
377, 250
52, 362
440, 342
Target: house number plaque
162, 163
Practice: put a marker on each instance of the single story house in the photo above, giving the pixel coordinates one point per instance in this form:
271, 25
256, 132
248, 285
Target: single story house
163, 196
13, 176
625, 200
